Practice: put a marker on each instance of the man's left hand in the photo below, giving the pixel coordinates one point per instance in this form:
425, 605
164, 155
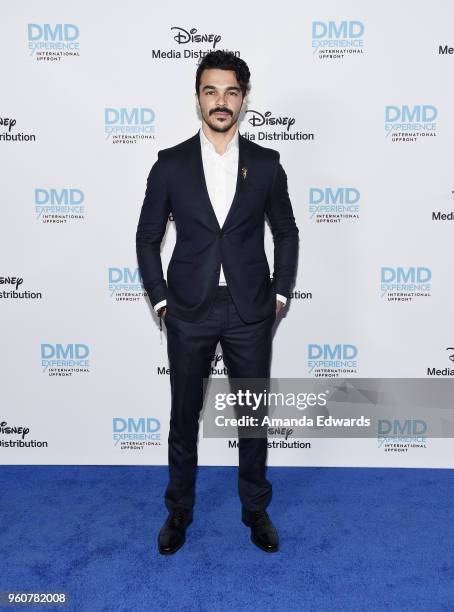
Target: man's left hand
279, 306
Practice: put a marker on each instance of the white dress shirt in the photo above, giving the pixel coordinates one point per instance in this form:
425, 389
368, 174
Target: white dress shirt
220, 176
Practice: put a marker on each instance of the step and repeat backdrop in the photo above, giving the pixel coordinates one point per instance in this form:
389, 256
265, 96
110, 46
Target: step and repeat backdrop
357, 98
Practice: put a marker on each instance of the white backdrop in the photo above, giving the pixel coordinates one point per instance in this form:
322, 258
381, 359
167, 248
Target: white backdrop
75, 73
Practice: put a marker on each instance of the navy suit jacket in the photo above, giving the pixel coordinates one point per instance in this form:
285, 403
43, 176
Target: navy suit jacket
176, 183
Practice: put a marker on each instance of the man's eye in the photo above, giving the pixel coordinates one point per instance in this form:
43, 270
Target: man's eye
234, 93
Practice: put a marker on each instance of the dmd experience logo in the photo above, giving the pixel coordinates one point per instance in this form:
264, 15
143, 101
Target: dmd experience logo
332, 361
334, 204
399, 436
65, 359
130, 433
125, 285
54, 205
410, 123
405, 284
273, 127
129, 125
52, 43
335, 40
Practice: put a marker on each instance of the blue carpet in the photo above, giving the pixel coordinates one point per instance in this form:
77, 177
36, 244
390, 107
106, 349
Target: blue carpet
351, 539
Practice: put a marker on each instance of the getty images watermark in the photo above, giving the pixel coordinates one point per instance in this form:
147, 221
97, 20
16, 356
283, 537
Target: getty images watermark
387, 408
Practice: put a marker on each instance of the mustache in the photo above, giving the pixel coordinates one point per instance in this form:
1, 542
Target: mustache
221, 110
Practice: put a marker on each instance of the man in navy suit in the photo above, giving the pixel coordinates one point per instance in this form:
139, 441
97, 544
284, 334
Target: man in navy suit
219, 187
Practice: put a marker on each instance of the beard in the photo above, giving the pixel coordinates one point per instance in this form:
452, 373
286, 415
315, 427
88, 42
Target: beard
221, 125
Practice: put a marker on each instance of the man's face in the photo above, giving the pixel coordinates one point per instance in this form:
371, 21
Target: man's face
220, 98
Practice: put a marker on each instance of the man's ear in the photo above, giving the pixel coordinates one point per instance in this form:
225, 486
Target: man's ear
197, 100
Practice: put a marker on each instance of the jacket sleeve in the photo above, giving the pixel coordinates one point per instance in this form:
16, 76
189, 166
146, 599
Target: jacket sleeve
150, 231
285, 232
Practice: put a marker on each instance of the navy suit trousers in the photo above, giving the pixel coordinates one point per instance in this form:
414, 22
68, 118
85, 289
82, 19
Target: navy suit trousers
191, 346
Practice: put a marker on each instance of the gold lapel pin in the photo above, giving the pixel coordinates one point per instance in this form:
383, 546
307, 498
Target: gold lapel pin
244, 172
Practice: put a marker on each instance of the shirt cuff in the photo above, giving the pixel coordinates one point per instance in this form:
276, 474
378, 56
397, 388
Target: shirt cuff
160, 305
281, 298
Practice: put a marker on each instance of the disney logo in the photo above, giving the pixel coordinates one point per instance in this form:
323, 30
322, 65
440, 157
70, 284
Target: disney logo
280, 431
184, 36
11, 280
217, 358
10, 123
257, 119
9, 429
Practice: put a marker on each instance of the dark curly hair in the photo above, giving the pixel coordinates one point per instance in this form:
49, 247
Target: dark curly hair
225, 60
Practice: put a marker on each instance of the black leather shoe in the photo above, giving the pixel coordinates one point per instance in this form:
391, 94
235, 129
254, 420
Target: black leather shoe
263, 532
173, 533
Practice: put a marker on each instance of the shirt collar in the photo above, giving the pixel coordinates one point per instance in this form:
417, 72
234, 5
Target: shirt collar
233, 142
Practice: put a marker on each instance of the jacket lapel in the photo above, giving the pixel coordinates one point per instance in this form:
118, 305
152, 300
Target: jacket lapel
243, 164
